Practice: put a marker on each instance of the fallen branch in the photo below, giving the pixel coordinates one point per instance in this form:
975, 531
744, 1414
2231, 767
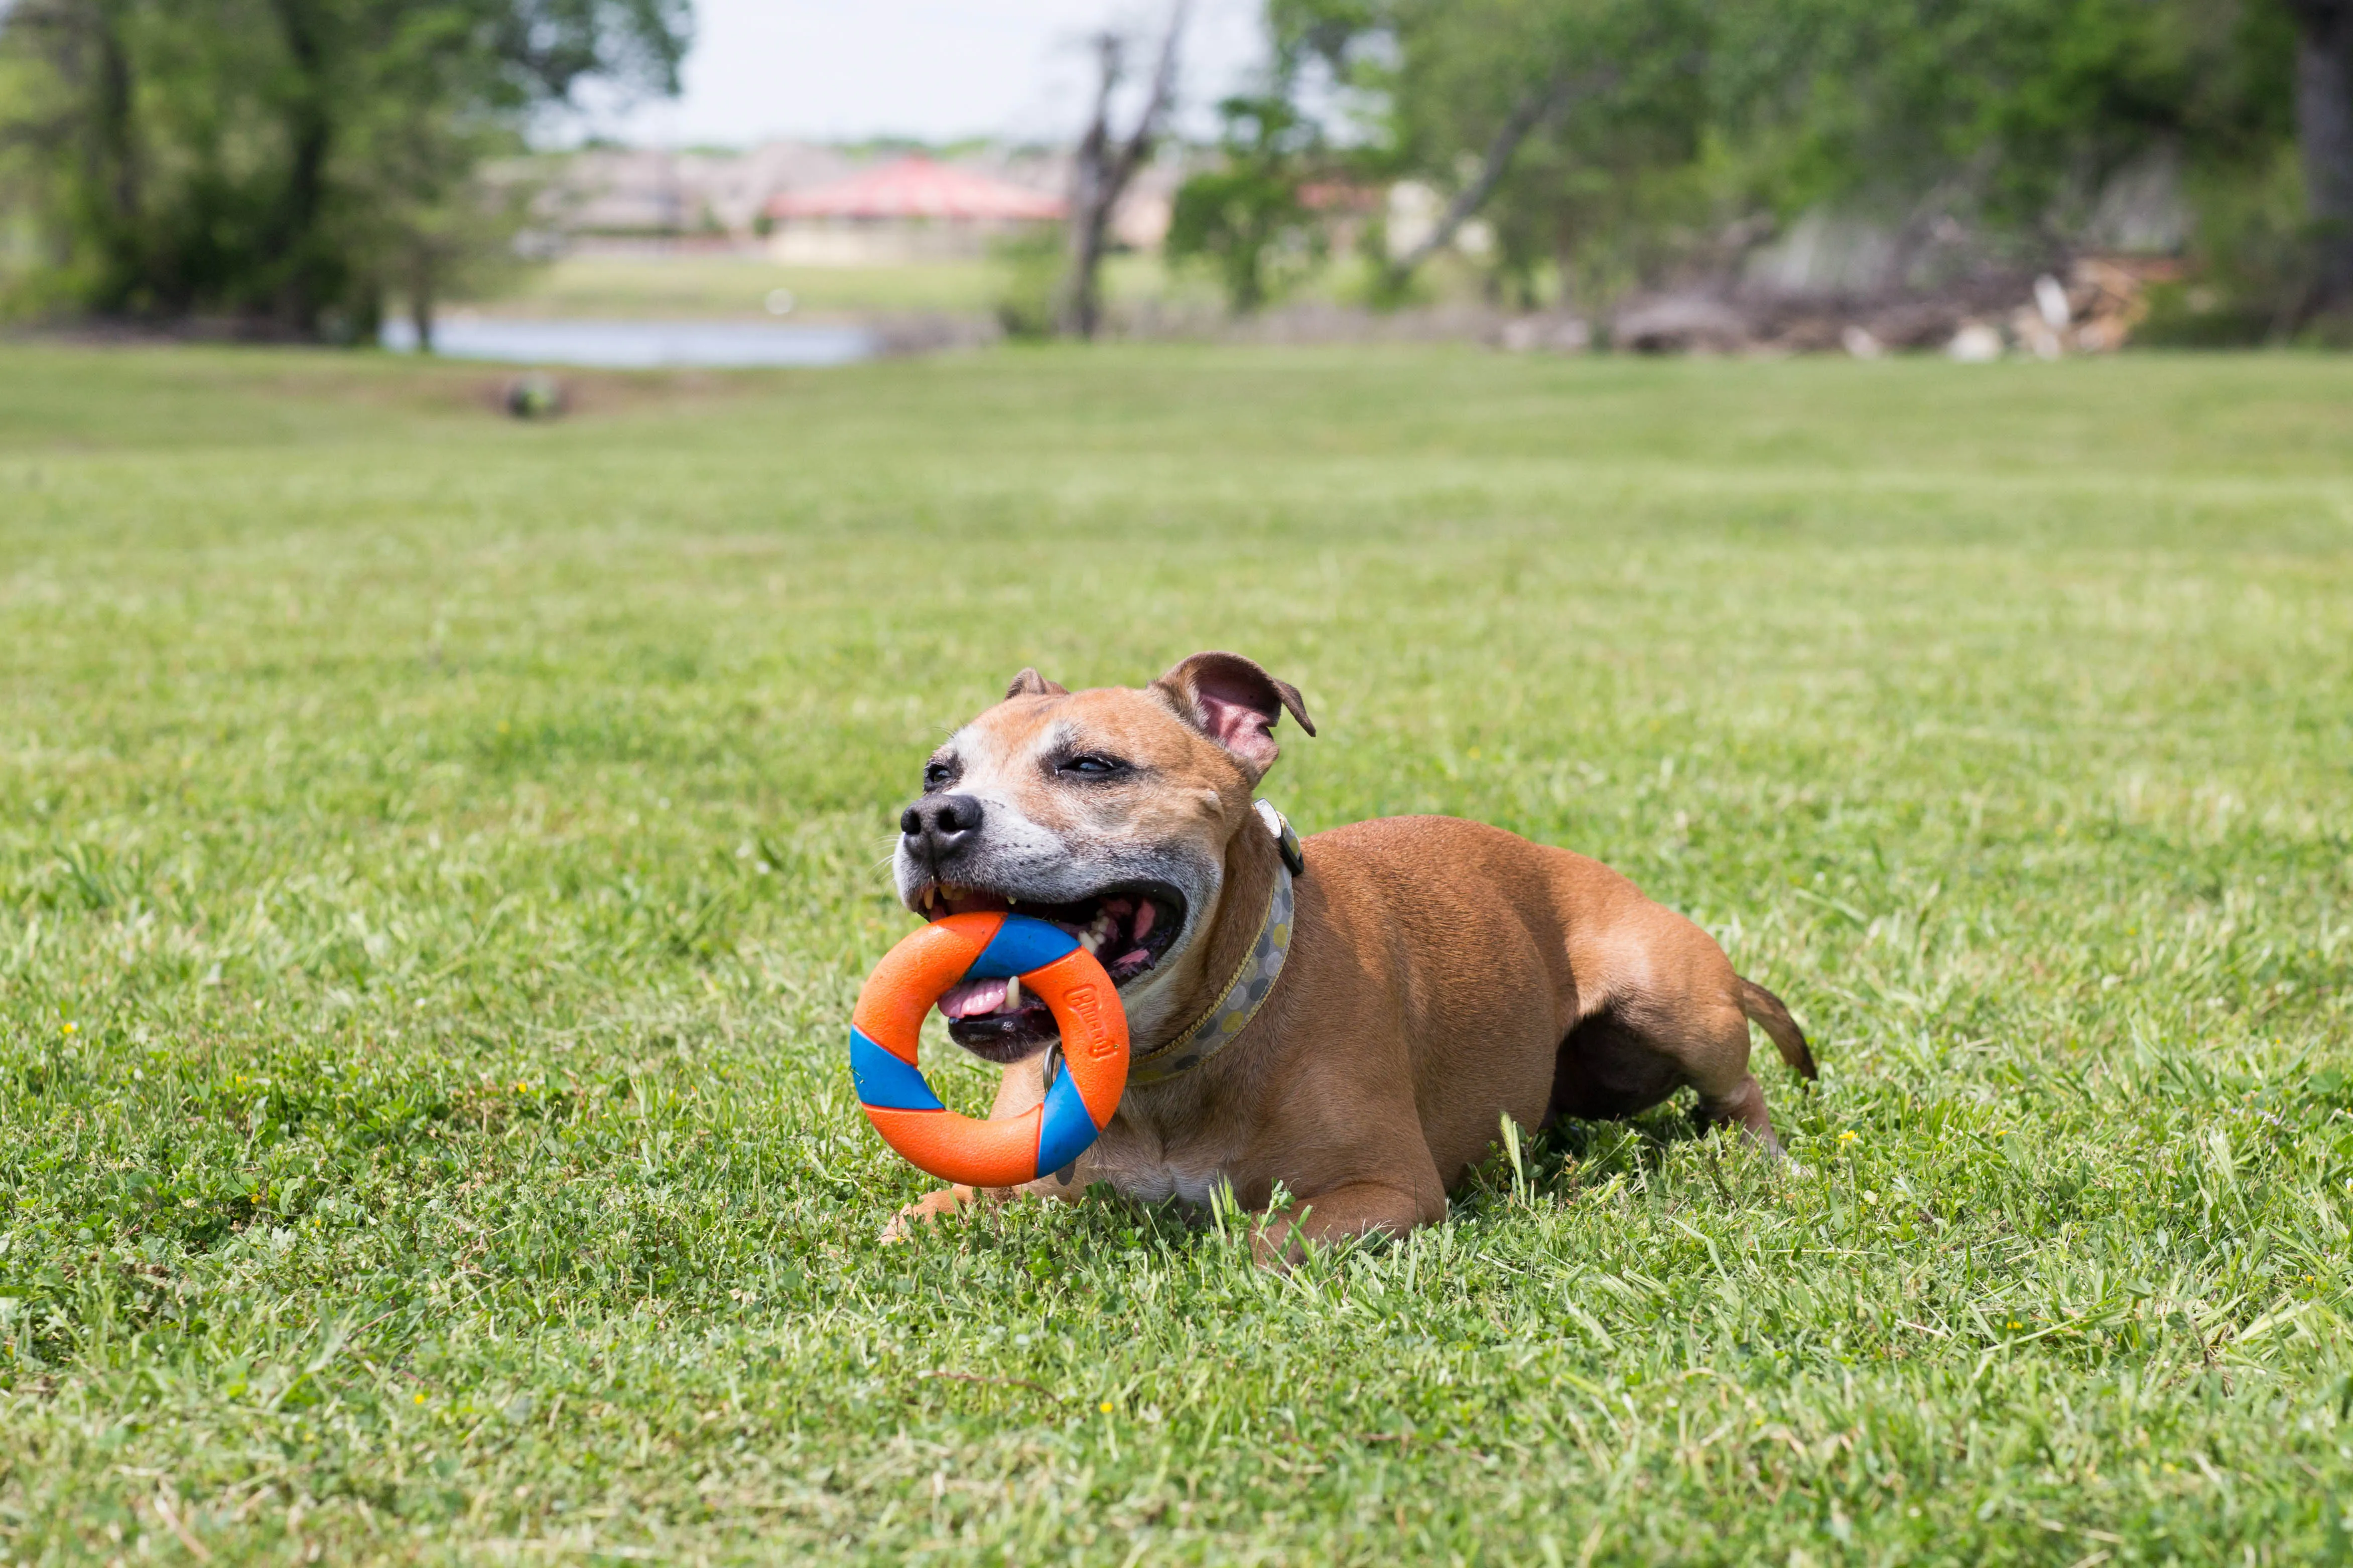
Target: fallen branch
1538, 109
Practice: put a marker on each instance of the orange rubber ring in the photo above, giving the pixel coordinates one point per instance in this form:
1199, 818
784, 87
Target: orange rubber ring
910, 981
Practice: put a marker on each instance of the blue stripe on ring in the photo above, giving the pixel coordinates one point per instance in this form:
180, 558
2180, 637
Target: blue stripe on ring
1020, 945
1066, 1130
884, 1081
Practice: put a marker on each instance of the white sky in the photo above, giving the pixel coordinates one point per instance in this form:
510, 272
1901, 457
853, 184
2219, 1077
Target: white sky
937, 69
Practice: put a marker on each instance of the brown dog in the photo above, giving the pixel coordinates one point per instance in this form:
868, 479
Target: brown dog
1353, 1032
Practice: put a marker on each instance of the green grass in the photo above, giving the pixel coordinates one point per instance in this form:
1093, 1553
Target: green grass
437, 854
691, 286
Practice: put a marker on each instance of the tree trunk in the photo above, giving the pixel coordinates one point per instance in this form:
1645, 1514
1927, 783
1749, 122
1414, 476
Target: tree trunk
420, 299
2323, 129
301, 293
85, 49
115, 146
113, 163
1082, 304
1102, 169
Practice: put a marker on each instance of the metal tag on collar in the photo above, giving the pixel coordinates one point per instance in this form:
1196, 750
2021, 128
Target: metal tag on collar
1294, 856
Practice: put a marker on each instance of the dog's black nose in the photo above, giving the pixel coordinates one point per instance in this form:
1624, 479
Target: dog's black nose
937, 827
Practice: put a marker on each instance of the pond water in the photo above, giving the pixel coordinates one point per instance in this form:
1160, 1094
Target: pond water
638, 345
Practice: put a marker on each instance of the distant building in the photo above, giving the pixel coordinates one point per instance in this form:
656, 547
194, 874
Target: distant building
739, 186
811, 205
636, 193
619, 190
916, 209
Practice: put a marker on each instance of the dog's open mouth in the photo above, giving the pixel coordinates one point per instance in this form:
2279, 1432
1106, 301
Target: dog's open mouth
1129, 928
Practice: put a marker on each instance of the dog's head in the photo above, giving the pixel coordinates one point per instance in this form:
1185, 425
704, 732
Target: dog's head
1105, 812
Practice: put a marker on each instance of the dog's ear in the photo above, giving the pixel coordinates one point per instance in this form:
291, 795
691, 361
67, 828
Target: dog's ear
1029, 683
1234, 702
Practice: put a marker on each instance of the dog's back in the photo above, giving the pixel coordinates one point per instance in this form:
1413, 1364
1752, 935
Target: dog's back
1533, 980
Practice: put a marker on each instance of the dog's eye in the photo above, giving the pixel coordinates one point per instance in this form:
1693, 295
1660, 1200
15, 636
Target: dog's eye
1092, 765
938, 775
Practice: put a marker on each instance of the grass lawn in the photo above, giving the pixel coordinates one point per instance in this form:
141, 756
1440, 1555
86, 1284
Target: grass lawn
437, 854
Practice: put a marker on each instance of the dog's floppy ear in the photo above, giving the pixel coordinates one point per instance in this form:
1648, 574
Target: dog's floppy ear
1234, 702
1029, 683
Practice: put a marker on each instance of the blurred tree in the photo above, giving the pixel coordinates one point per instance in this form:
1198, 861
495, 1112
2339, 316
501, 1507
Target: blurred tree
285, 162
2013, 111
1614, 143
1104, 164
2324, 115
438, 227
1029, 267
1249, 215
1551, 121
1995, 127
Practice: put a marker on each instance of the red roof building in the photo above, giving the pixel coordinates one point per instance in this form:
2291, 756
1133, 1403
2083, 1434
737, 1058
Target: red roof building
916, 188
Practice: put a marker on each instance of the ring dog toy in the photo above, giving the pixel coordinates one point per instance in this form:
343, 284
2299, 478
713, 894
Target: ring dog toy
912, 977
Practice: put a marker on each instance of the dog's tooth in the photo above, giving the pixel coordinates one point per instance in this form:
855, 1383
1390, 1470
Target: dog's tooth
1090, 938
1013, 994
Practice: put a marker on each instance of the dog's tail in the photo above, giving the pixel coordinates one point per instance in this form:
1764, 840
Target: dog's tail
1766, 1010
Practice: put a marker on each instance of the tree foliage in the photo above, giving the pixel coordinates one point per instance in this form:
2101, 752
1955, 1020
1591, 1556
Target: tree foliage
284, 161
1611, 144
1250, 217
2018, 108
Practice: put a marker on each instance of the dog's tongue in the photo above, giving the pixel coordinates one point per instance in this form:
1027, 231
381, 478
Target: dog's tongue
972, 998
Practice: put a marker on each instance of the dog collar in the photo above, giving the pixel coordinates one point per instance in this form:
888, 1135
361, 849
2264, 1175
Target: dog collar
1252, 981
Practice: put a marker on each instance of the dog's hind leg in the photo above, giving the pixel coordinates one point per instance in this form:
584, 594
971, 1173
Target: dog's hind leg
1742, 1106
1709, 1044
1741, 1101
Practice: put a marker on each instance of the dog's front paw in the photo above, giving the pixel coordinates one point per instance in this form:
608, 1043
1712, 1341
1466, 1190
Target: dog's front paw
930, 1206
